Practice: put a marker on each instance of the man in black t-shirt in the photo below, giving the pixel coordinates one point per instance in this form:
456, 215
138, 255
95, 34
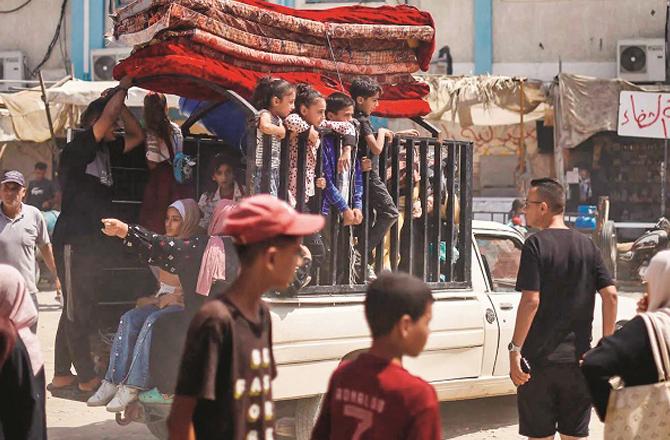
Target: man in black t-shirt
41, 191
224, 390
79, 246
559, 274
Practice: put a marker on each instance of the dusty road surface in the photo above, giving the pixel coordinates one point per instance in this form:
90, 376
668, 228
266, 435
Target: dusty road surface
482, 419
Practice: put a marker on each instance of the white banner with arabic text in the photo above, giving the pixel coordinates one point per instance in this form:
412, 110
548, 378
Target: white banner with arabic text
644, 114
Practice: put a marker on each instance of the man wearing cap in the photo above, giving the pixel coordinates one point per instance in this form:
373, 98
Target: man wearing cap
225, 380
22, 229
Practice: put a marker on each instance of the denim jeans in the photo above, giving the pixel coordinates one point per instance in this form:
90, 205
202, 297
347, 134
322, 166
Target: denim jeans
130, 354
274, 181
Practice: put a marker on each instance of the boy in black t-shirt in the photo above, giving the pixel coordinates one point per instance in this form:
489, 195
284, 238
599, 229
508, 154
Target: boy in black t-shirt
365, 92
224, 387
560, 272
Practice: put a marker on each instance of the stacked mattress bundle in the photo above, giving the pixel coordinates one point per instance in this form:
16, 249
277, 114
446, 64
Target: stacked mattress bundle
232, 43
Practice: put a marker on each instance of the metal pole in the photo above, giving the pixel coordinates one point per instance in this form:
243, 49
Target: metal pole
664, 178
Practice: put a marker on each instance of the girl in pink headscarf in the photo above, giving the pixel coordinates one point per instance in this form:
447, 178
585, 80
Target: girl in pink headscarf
199, 262
22, 412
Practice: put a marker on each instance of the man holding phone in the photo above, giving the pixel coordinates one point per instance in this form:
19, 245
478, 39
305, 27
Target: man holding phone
559, 274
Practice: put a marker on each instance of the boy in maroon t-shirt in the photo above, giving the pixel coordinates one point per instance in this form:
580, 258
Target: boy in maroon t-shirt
374, 397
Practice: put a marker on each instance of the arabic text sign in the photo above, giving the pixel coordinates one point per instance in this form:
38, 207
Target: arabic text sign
644, 114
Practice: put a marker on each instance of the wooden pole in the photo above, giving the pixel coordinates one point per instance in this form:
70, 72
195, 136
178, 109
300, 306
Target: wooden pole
522, 130
51, 126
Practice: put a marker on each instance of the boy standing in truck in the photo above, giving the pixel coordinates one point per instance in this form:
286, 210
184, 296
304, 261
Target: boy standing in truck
224, 387
374, 397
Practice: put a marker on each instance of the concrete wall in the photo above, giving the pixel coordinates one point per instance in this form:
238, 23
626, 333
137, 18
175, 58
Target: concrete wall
583, 33
30, 31
529, 37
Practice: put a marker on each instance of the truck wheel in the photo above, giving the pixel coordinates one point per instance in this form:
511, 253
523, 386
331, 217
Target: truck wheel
606, 241
159, 429
306, 413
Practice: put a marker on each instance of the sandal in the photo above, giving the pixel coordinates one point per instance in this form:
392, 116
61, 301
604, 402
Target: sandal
74, 381
155, 396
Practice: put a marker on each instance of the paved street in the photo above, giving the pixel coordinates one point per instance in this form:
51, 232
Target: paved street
481, 419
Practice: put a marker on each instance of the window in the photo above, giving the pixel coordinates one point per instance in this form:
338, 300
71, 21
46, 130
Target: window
502, 255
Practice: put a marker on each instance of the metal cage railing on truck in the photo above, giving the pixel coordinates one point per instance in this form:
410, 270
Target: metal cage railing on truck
442, 256
435, 246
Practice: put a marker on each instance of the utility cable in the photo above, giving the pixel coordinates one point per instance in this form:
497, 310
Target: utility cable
18, 8
54, 40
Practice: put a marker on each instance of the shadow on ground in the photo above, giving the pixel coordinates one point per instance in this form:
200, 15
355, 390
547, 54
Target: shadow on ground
469, 416
107, 430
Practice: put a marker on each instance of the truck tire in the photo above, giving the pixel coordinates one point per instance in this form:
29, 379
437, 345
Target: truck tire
159, 429
306, 413
606, 241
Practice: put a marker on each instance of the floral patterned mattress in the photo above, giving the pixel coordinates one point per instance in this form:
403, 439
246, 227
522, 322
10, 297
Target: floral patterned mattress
232, 43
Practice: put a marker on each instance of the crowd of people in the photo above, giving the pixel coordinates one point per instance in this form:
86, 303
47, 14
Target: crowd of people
222, 383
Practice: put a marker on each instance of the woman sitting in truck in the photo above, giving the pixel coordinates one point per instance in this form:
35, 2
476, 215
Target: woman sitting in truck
198, 261
128, 370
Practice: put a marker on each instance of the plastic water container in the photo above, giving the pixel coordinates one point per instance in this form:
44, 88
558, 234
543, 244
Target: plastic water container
587, 217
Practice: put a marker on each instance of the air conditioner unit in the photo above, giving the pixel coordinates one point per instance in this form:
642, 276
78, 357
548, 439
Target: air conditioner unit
11, 68
641, 60
104, 60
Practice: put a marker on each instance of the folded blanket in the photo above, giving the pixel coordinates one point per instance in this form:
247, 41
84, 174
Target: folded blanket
233, 43
175, 68
142, 28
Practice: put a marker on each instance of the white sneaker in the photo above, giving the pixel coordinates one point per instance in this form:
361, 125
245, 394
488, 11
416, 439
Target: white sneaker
104, 394
123, 397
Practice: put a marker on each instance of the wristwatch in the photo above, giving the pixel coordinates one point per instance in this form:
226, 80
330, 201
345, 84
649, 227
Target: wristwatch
513, 348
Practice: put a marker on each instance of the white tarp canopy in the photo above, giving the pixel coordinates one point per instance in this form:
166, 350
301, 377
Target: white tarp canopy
23, 116
81, 93
484, 100
6, 128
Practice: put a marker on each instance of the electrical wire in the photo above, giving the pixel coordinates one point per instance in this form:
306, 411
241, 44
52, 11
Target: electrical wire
63, 47
18, 8
54, 40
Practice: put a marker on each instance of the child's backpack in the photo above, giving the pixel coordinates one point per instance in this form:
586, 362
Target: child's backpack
182, 164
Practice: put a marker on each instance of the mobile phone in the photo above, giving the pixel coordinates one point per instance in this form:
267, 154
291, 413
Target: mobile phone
525, 366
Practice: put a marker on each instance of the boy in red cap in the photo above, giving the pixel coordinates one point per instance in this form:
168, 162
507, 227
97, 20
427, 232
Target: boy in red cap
224, 387
374, 397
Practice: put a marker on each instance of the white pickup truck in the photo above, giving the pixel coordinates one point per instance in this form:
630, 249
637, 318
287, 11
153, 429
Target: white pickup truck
466, 355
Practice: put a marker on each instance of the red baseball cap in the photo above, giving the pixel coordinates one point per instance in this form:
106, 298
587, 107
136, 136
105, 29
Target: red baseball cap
264, 216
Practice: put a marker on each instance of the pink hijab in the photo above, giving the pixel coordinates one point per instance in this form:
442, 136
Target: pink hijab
213, 265
17, 306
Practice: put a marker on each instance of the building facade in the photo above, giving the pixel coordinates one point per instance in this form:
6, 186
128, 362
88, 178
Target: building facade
529, 37
501, 37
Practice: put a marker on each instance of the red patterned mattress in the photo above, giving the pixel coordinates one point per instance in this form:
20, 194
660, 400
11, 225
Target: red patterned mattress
234, 42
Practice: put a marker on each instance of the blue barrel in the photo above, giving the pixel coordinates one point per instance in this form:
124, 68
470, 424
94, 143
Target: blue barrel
587, 217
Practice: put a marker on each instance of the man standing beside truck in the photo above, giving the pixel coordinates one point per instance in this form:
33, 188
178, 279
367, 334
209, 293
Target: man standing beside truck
560, 272
79, 246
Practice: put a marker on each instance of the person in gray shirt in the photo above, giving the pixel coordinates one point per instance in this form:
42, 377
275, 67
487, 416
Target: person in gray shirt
22, 229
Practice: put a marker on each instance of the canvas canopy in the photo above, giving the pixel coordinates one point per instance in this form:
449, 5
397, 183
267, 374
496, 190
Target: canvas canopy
483, 100
586, 106
80, 93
